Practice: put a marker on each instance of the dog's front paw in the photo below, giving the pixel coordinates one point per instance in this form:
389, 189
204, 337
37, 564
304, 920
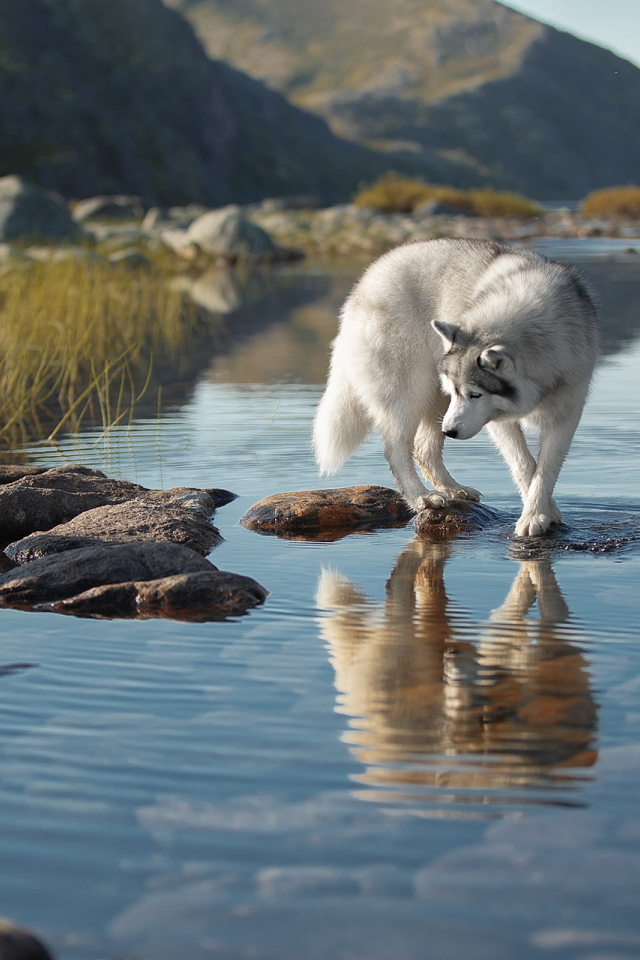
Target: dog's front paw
556, 516
430, 501
463, 493
533, 524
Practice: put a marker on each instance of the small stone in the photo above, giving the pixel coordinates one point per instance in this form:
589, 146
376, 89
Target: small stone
328, 513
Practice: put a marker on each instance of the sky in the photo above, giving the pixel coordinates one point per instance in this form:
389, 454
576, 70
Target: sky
609, 23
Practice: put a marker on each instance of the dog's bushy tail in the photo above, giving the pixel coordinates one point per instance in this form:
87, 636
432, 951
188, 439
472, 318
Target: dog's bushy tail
340, 426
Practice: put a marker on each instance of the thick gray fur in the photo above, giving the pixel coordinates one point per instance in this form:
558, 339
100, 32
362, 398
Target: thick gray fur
443, 337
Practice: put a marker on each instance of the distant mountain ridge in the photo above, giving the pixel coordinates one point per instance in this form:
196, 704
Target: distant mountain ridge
118, 96
515, 103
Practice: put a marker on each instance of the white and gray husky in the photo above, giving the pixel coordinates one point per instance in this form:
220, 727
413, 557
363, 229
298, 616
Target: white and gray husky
442, 337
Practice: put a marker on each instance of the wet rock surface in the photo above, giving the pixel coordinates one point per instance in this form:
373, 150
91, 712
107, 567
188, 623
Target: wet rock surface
327, 514
196, 597
455, 518
135, 553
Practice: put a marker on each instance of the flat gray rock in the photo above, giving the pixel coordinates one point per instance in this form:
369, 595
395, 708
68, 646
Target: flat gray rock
184, 519
195, 597
41, 501
16, 471
67, 574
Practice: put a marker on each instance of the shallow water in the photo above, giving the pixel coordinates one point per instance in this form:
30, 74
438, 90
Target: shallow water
412, 750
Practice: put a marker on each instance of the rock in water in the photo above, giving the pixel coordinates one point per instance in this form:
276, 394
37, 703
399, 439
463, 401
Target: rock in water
328, 513
229, 235
185, 520
456, 517
66, 574
41, 501
194, 597
29, 213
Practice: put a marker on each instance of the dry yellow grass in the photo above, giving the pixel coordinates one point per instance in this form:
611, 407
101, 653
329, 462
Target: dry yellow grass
393, 193
75, 344
623, 202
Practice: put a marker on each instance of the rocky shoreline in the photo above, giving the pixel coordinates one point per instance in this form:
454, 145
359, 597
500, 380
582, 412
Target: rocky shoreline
77, 541
37, 226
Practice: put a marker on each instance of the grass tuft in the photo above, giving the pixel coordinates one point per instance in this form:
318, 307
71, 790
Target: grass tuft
75, 344
623, 202
393, 193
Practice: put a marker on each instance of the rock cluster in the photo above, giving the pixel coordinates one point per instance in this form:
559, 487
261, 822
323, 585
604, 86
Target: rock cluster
121, 230
77, 541
332, 514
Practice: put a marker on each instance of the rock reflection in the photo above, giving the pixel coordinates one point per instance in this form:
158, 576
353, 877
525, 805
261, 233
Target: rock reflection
453, 709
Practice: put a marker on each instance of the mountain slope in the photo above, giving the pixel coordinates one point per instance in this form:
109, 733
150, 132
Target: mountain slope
109, 96
524, 105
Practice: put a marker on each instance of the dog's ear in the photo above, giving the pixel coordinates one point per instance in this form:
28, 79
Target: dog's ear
496, 358
446, 331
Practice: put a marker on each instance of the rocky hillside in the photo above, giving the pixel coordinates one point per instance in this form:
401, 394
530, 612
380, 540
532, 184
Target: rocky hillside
118, 96
516, 103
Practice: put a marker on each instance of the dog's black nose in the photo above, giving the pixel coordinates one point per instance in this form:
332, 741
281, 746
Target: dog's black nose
450, 433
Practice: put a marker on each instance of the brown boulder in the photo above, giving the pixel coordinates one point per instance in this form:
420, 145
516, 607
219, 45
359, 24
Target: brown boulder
195, 597
182, 519
328, 514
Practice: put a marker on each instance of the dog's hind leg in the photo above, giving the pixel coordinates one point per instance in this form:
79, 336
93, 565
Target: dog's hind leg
428, 444
398, 454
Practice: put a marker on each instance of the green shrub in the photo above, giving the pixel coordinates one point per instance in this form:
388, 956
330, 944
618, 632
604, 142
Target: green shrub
621, 202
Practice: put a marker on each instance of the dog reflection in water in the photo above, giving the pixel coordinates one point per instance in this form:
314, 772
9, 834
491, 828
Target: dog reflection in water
439, 700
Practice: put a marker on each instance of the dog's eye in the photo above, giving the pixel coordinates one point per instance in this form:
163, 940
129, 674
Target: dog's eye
474, 396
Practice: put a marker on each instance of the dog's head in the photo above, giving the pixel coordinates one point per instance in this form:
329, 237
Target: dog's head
480, 381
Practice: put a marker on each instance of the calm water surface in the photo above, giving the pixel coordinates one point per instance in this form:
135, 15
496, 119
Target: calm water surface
412, 750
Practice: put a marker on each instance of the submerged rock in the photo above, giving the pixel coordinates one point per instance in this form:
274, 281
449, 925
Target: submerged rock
328, 513
196, 597
41, 501
183, 519
456, 517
